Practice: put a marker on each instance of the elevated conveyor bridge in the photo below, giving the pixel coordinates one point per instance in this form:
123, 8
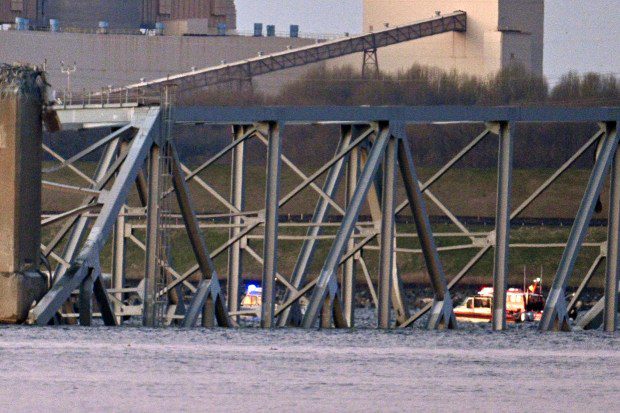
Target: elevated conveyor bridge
261, 65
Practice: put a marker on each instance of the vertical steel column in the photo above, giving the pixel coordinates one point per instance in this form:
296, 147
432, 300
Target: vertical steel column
304, 259
374, 196
348, 276
152, 235
555, 316
613, 244
118, 262
502, 224
270, 250
442, 315
388, 205
237, 198
86, 300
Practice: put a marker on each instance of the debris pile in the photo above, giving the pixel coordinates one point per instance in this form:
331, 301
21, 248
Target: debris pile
23, 79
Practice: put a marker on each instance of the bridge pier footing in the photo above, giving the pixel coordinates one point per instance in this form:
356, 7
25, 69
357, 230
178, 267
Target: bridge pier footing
21, 99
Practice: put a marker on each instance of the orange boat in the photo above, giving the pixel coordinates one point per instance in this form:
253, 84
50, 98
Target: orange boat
521, 306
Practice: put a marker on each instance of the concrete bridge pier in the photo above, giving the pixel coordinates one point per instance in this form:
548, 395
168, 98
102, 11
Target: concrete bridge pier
22, 91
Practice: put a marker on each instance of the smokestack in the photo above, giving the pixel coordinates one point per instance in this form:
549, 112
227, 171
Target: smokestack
22, 95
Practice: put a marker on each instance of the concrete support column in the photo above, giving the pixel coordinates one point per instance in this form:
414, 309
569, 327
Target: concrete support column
21, 99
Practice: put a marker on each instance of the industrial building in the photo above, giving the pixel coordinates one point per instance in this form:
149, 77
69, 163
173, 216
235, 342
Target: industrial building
195, 34
499, 33
119, 14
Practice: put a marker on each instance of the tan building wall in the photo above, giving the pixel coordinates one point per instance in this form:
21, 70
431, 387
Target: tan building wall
124, 14
119, 60
10, 10
499, 32
215, 11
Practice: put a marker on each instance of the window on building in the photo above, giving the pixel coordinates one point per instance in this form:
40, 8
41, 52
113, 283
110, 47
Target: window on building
17, 5
165, 7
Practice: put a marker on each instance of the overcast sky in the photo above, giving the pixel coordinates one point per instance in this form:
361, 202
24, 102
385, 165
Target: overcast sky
580, 35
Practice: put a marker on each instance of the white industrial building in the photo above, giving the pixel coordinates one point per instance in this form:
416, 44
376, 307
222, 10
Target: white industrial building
499, 33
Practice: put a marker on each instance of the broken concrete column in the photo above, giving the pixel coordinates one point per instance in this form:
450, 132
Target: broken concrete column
22, 94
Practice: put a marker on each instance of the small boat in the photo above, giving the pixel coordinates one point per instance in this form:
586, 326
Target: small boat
252, 302
521, 306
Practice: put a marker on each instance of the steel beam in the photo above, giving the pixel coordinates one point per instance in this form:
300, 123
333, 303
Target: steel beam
605, 311
442, 315
70, 166
501, 269
118, 262
326, 167
374, 204
153, 220
272, 130
405, 114
43, 312
444, 169
118, 256
306, 254
327, 283
237, 198
386, 242
584, 283
111, 137
81, 223
610, 318
349, 270
555, 316
201, 252
594, 317
105, 307
86, 299
286, 161
197, 305
539, 191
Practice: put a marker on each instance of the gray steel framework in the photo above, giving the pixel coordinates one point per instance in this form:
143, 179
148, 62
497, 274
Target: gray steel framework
372, 153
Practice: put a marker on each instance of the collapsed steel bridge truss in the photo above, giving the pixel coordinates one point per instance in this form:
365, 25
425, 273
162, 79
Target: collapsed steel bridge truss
372, 156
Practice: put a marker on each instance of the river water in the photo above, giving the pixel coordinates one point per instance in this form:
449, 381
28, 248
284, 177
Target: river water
139, 370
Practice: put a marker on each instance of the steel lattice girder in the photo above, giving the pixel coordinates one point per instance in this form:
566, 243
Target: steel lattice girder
349, 116
555, 316
89, 254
